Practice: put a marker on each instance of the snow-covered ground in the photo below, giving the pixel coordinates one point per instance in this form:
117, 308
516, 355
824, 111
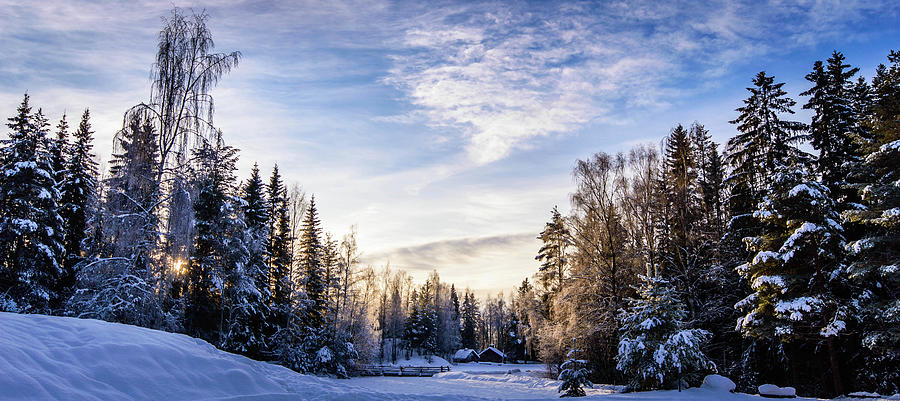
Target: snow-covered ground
46, 358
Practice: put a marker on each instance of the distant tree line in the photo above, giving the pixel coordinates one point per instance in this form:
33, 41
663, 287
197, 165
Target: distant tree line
764, 262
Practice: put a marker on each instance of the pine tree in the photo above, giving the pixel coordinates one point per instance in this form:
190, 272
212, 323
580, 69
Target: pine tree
249, 329
875, 252
311, 250
797, 259
79, 194
60, 152
513, 344
710, 181
216, 252
764, 141
122, 282
279, 243
681, 248
834, 131
796, 272
31, 229
552, 254
574, 375
469, 321
247, 282
655, 350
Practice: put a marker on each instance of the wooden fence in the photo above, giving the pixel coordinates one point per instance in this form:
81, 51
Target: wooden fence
388, 370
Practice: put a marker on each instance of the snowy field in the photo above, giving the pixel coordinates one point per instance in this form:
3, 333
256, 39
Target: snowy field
47, 358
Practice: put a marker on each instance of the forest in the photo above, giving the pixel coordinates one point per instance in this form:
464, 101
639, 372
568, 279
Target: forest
771, 258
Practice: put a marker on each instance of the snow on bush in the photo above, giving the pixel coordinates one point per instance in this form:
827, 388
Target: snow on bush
773, 391
718, 383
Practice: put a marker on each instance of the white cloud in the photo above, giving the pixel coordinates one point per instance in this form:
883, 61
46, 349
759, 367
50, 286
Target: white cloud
490, 264
504, 75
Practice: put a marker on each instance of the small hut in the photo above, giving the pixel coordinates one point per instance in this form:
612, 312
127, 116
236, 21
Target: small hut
491, 354
465, 355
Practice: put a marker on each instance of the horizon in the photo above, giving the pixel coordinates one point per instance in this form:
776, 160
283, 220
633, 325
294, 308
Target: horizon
446, 132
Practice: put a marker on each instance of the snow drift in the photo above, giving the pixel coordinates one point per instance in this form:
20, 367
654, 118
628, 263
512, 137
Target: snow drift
48, 357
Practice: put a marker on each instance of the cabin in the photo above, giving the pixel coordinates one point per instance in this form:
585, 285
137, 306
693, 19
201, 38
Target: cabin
465, 355
491, 354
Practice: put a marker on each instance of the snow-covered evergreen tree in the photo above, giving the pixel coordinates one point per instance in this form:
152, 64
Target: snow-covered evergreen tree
574, 375
655, 349
31, 229
79, 194
279, 249
122, 282
552, 254
248, 328
874, 267
469, 320
219, 260
834, 131
764, 141
513, 344
310, 263
797, 261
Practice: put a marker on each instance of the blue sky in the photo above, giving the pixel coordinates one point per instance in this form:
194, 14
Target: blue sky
446, 130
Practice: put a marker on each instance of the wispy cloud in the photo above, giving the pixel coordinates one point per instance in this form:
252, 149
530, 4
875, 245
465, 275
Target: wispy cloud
483, 262
504, 74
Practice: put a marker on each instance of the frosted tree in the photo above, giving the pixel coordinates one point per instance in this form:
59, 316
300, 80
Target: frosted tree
552, 254
874, 266
60, 152
574, 375
279, 251
655, 349
468, 321
835, 130
31, 230
248, 326
180, 109
311, 265
219, 258
796, 267
764, 141
79, 194
121, 282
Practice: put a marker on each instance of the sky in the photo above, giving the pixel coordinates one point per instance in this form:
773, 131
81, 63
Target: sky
446, 131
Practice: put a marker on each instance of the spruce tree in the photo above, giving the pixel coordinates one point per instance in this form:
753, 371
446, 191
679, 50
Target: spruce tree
279, 243
552, 254
655, 349
31, 229
763, 142
573, 375
60, 152
249, 328
217, 252
834, 131
469, 321
122, 282
875, 251
796, 272
79, 194
310, 263
247, 281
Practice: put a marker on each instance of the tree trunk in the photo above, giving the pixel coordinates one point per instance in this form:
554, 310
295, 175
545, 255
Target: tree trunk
835, 369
